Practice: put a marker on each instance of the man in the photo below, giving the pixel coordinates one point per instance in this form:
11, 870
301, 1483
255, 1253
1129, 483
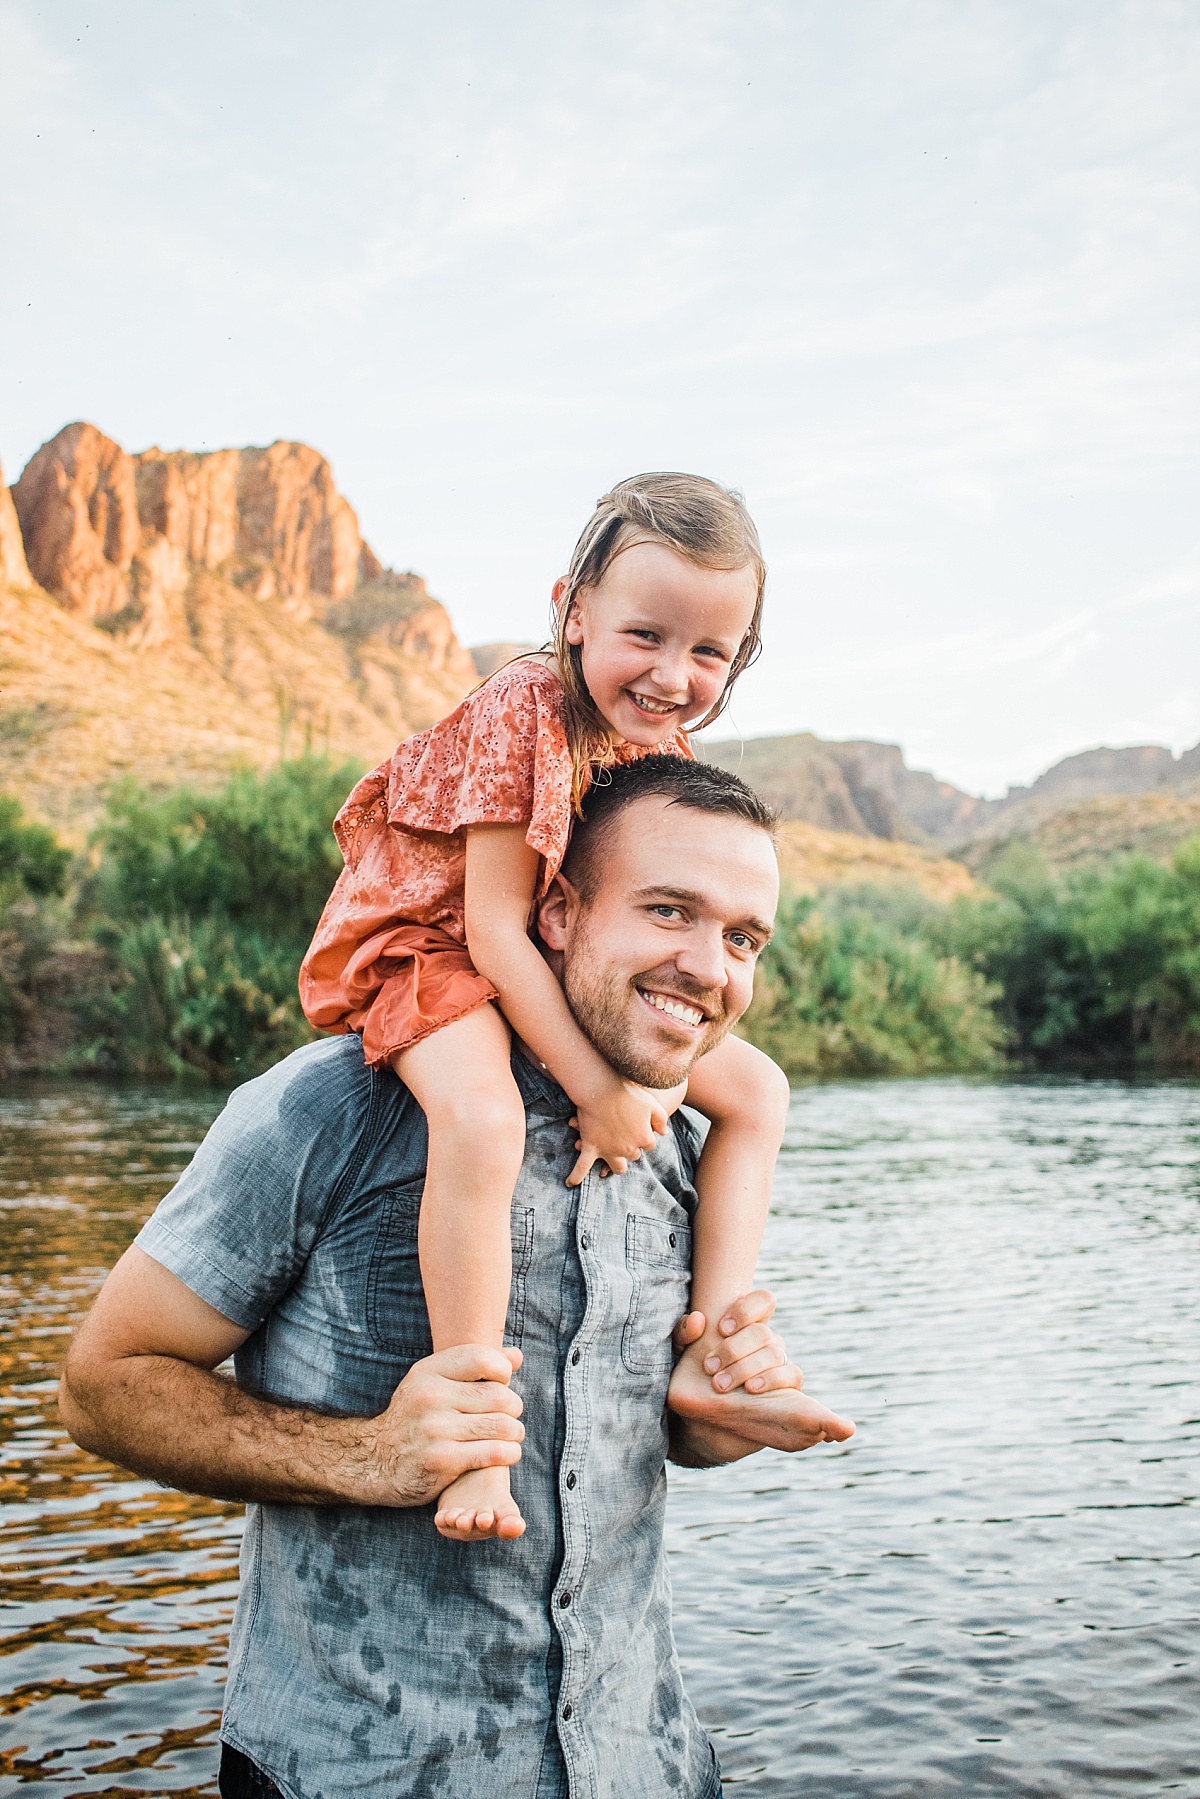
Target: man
368, 1653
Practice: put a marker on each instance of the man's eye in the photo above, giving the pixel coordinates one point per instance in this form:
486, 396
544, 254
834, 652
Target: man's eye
742, 941
665, 911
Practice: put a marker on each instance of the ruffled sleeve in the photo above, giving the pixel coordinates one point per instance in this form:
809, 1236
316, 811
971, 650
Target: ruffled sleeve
363, 815
501, 758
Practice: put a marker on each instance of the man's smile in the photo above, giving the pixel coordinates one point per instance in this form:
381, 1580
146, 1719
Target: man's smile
678, 1010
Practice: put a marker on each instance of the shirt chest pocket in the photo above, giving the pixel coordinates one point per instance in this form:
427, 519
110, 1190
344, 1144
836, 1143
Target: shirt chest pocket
395, 1307
658, 1257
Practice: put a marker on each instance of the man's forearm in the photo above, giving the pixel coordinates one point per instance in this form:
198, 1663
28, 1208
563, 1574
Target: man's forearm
188, 1428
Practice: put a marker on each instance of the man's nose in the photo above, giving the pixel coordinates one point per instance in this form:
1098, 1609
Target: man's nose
702, 957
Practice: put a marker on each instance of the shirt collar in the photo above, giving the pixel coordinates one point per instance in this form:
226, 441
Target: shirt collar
538, 1087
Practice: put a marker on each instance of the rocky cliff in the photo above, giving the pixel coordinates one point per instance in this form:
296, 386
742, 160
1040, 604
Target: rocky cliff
859, 787
169, 613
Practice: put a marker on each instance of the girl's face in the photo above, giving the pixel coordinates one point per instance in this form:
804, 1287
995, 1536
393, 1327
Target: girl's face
657, 638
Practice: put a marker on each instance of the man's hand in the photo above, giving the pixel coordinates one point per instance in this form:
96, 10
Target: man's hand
763, 1404
139, 1388
451, 1413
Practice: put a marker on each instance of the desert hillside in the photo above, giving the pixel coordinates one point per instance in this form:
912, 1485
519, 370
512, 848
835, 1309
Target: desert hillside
1089, 807
168, 614
812, 859
1082, 831
860, 787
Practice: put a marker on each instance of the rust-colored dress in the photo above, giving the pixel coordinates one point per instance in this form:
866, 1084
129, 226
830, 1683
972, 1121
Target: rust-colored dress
389, 957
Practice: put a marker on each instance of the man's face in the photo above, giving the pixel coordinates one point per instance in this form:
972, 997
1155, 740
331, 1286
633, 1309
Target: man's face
659, 964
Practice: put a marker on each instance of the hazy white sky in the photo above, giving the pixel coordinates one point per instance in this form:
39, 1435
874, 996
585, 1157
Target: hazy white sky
921, 278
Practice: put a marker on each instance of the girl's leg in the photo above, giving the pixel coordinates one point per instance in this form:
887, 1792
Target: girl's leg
462, 1080
745, 1097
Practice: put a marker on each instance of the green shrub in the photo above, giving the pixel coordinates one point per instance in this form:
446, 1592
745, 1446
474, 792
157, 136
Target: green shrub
851, 986
33, 873
203, 905
259, 852
186, 997
32, 861
1102, 967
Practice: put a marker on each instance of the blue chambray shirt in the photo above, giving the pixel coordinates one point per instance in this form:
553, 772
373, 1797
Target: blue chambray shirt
369, 1655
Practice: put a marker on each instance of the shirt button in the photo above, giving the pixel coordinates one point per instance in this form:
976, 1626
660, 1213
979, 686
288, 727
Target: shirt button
584, 1242
575, 1358
567, 1709
571, 1480
564, 1599
671, 1239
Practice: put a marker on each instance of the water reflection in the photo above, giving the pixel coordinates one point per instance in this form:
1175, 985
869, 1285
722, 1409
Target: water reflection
117, 1595
992, 1590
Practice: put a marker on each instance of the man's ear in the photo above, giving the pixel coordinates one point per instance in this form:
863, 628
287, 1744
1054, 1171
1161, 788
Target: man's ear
556, 913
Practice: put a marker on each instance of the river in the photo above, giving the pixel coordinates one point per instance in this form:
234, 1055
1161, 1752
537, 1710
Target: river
992, 1589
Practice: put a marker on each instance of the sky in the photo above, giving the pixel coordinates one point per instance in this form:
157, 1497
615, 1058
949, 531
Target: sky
920, 277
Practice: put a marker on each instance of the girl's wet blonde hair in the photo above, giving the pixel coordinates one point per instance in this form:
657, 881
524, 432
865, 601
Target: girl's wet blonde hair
700, 520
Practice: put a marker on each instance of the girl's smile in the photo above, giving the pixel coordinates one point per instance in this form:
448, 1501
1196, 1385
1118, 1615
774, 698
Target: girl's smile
657, 638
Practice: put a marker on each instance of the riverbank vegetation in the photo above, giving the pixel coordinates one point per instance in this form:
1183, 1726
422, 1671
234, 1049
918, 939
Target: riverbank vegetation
170, 945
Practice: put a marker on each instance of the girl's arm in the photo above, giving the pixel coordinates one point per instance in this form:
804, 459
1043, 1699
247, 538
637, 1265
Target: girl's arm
617, 1118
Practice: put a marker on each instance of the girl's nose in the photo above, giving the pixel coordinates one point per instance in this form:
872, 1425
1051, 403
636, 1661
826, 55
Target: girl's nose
670, 676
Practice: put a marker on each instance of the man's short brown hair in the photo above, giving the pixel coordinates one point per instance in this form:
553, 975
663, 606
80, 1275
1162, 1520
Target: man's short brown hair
696, 785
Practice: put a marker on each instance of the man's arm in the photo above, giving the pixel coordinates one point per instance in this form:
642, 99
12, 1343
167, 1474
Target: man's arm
139, 1388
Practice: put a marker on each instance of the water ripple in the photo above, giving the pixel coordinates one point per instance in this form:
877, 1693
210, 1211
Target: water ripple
992, 1590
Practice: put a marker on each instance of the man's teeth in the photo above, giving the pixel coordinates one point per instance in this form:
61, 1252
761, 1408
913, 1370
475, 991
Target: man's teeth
674, 1008
649, 705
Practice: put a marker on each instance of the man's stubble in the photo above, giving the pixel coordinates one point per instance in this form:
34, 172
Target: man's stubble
601, 1001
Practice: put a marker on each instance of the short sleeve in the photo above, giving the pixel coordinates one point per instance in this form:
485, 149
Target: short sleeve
240, 1222
502, 758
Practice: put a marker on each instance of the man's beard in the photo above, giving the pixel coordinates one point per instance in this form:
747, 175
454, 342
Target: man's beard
600, 1003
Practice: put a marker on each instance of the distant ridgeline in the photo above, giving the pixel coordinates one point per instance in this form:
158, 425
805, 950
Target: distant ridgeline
1093, 806
169, 614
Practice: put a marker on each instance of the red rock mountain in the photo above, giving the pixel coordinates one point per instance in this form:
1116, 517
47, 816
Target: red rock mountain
168, 614
14, 570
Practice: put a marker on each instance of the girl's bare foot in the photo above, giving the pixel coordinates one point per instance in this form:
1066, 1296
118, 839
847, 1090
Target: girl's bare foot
479, 1504
783, 1417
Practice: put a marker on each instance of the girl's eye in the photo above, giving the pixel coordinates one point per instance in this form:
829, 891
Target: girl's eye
645, 636
711, 651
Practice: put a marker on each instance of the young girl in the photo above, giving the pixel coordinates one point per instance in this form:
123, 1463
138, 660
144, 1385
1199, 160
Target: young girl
424, 945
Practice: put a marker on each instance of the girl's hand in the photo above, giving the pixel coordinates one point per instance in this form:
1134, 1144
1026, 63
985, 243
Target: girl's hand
617, 1124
